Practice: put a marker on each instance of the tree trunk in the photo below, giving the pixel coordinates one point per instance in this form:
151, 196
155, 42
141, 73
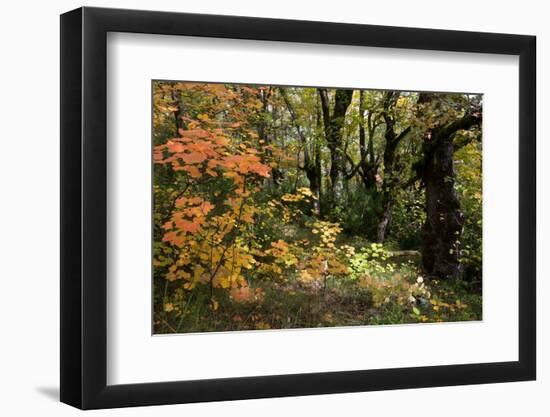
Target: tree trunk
178, 113
337, 175
368, 164
383, 222
390, 180
314, 177
312, 163
267, 134
388, 184
444, 218
442, 231
334, 123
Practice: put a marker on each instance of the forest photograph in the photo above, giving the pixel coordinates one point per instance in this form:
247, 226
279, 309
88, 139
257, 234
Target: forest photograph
286, 207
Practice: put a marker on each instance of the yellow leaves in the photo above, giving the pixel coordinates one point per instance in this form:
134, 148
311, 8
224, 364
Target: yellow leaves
280, 250
348, 251
280, 247
198, 273
189, 285
262, 326
221, 280
328, 232
168, 307
305, 191
293, 198
402, 101
336, 267
248, 215
302, 193
305, 276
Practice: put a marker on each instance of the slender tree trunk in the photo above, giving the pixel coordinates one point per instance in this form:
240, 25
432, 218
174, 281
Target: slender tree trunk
315, 187
337, 175
178, 112
266, 132
368, 164
312, 162
390, 180
383, 223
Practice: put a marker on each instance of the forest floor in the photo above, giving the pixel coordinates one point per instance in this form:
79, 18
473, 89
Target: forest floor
289, 304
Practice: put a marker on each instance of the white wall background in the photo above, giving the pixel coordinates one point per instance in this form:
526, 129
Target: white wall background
29, 219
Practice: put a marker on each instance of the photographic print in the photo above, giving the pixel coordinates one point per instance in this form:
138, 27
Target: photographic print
289, 207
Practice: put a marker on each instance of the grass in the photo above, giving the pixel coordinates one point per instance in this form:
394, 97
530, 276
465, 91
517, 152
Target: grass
342, 303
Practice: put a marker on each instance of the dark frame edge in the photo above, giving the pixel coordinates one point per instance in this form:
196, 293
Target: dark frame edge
527, 206
234, 389
70, 221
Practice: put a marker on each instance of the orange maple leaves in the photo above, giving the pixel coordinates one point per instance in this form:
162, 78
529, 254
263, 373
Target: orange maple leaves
200, 152
219, 171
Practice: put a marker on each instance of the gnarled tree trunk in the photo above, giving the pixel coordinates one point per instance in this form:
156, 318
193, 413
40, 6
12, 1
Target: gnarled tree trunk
442, 231
444, 218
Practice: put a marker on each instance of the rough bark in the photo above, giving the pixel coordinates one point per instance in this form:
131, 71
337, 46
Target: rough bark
178, 112
444, 224
333, 124
368, 164
314, 177
390, 180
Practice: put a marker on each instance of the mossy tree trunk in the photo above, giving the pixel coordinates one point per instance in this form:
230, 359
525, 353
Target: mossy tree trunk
442, 230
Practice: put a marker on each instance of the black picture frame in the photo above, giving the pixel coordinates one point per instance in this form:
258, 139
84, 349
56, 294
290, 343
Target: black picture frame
84, 207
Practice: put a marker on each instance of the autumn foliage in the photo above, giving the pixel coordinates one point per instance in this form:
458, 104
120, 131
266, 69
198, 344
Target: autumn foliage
240, 241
